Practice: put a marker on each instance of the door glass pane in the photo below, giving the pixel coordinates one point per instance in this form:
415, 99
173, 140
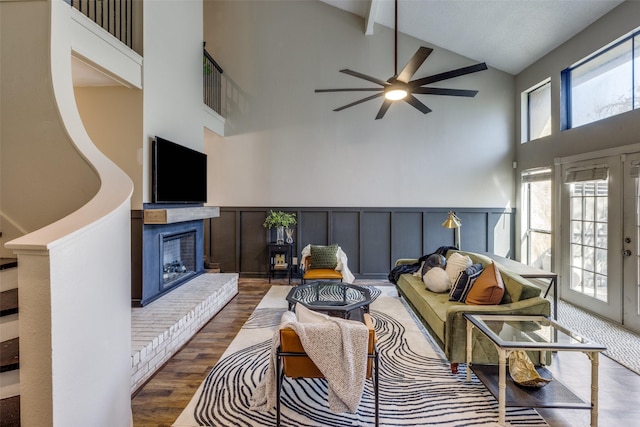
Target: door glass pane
600, 87
589, 238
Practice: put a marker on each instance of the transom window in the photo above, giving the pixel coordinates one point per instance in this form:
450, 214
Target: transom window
538, 109
603, 85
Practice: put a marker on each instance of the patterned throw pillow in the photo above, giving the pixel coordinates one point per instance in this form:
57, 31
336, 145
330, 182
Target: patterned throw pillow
324, 257
465, 281
488, 289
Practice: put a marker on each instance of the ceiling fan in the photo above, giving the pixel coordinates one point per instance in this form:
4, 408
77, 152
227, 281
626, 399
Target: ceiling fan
400, 87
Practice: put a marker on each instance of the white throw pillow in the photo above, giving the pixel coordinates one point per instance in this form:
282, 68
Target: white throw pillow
304, 315
437, 280
456, 263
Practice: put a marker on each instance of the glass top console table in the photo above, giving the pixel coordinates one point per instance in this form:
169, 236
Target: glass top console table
531, 333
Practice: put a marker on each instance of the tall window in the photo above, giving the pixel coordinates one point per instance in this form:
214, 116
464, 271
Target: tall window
536, 198
604, 84
589, 231
538, 104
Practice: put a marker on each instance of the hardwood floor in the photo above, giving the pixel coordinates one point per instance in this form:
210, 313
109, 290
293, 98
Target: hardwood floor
161, 400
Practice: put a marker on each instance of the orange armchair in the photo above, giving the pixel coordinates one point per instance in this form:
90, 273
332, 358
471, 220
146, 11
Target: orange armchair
310, 273
293, 362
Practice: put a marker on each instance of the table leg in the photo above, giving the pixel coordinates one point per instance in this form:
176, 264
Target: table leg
469, 348
502, 387
594, 356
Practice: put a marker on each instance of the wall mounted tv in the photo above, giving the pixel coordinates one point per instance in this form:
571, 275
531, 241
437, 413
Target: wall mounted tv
179, 174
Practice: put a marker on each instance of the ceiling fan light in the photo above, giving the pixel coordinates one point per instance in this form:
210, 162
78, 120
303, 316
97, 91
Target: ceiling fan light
395, 94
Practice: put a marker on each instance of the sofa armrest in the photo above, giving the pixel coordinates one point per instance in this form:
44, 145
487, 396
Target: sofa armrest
456, 324
406, 261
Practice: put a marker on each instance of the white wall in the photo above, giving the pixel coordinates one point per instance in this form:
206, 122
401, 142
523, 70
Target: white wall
172, 94
285, 146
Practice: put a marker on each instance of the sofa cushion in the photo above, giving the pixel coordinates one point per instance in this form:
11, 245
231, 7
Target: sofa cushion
431, 306
455, 264
324, 256
488, 289
465, 281
436, 280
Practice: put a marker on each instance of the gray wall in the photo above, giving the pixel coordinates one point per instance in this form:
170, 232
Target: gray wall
612, 132
372, 238
284, 146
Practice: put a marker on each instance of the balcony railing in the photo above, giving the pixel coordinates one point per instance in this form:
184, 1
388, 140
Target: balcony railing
115, 16
212, 83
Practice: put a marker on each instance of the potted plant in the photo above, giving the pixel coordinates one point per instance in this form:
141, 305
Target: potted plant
280, 220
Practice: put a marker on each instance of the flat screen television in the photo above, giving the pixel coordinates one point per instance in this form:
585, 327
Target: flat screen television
179, 174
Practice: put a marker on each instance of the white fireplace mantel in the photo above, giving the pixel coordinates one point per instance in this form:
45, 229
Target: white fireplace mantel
174, 215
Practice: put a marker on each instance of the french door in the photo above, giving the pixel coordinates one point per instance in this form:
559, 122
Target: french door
600, 232
631, 243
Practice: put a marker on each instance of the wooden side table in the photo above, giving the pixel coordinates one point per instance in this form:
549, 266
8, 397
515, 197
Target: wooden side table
280, 259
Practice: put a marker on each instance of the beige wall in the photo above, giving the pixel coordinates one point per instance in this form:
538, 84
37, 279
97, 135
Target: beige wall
42, 175
112, 116
285, 145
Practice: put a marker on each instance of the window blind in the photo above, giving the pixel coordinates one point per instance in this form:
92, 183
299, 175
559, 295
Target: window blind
536, 175
596, 173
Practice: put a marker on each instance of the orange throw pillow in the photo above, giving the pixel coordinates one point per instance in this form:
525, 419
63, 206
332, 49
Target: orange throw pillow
488, 289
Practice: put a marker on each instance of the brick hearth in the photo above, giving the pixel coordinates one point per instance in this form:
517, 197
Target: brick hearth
161, 328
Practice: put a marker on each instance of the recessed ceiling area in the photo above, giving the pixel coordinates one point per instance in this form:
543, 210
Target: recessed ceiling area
508, 35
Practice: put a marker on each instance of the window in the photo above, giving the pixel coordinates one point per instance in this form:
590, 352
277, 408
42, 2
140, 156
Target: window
538, 107
603, 85
537, 211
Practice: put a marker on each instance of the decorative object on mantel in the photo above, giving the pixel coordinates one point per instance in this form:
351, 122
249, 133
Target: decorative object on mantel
453, 221
289, 232
400, 87
280, 220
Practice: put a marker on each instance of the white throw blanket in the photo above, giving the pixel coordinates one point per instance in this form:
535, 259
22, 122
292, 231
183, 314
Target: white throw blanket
342, 266
337, 346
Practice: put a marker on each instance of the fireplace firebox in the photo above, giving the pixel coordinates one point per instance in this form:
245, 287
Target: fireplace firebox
178, 254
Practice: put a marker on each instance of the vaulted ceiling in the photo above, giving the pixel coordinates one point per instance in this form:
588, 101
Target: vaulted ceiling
506, 34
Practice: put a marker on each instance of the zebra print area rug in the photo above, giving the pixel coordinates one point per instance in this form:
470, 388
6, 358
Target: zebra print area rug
416, 384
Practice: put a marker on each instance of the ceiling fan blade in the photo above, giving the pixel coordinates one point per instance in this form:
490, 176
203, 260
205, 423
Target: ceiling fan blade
449, 74
414, 63
368, 98
383, 109
443, 91
363, 89
364, 77
410, 99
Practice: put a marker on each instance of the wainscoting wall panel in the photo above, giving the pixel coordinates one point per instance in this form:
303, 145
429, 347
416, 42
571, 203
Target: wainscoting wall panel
372, 238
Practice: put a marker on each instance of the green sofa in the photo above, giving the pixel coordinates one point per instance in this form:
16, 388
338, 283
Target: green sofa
445, 320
